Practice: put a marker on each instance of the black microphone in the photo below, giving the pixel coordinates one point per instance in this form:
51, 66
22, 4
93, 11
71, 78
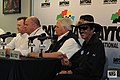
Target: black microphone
7, 33
48, 37
33, 37
4, 36
12, 35
42, 37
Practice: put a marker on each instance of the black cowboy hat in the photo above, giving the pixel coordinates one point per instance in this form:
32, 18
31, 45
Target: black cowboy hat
97, 27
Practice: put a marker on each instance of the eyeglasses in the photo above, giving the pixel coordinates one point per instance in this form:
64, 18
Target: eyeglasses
85, 27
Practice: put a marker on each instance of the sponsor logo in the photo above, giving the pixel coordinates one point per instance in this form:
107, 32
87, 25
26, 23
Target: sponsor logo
112, 73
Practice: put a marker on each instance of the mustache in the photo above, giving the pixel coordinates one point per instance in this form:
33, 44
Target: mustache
82, 32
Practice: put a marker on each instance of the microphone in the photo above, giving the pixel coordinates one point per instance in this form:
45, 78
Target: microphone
30, 43
7, 33
4, 36
12, 35
42, 38
33, 37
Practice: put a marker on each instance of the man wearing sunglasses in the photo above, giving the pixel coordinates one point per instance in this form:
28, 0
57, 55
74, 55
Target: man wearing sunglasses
88, 63
85, 18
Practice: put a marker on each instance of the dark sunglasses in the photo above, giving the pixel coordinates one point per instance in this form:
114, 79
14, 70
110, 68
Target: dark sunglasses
85, 27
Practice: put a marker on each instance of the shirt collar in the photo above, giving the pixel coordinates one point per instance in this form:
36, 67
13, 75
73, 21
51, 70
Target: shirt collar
60, 37
34, 32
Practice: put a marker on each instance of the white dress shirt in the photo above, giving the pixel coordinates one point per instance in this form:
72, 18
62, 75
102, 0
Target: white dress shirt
1, 32
69, 47
18, 43
36, 42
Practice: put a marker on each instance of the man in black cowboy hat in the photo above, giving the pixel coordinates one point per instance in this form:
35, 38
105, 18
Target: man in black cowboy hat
88, 63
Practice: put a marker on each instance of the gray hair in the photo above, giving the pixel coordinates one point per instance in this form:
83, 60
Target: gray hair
66, 22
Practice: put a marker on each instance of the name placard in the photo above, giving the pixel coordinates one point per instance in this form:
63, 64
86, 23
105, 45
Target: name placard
112, 73
2, 53
14, 54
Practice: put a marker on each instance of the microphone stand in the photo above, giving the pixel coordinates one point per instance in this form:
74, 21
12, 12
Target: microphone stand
41, 45
31, 44
3, 43
3, 51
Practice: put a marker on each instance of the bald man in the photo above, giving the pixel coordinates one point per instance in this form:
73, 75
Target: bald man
33, 28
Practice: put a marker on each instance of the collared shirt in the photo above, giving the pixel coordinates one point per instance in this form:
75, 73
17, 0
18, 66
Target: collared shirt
90, 59
60, 37
1, 32
36, 43
36, 32
69, 47
19, 42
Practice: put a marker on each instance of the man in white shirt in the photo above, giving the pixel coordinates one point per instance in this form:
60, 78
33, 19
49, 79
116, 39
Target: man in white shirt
1, 32
33, 28
19, 42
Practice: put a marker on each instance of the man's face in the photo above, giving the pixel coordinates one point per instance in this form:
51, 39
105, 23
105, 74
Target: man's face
29, 26
60, 30
21, 26
86, 33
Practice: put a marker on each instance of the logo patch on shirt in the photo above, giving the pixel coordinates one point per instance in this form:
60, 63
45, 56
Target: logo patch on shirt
87, 53
93, 55
82, 52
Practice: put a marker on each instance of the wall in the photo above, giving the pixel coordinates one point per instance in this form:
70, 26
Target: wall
101, 12
8, 21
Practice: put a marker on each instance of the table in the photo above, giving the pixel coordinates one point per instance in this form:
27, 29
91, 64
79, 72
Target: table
29, 68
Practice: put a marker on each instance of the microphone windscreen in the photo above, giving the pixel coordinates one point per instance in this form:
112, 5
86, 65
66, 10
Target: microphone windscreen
13, 35
43, 35
8, 32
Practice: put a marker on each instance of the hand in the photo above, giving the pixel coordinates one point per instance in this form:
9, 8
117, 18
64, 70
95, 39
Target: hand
8, 51
33, 54
65, 61
65, 72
